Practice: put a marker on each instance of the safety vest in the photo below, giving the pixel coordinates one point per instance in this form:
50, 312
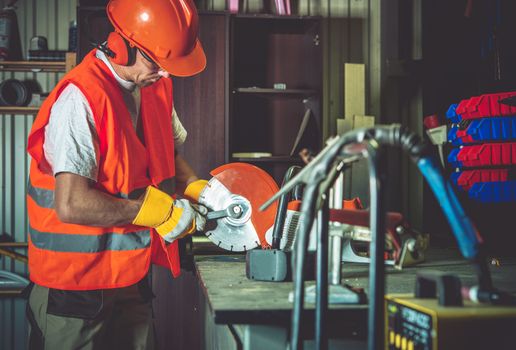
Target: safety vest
78, 257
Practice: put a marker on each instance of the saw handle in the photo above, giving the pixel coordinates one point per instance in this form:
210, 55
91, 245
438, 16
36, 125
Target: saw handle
281, 213
233, 211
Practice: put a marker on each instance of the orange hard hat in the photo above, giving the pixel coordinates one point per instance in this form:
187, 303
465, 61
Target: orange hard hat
165, 30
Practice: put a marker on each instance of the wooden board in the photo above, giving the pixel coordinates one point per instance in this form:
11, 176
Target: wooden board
354, 89
32, 66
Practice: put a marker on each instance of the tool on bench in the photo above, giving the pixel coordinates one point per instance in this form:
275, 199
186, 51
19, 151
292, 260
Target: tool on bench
272, 264
403, 246
232, 197
350, 237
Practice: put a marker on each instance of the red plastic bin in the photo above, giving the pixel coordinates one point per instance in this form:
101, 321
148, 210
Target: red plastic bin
487, 154
487, 105
469, 177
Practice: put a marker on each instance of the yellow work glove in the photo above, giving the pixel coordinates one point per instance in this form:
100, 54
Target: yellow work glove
194, 189
171, 218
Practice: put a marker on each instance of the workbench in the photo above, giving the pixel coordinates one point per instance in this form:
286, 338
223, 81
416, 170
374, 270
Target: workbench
241, 313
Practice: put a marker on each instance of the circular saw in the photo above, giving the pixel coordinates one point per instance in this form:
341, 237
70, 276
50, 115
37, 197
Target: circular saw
233, 196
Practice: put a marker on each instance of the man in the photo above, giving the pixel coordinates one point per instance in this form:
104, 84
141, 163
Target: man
101, 188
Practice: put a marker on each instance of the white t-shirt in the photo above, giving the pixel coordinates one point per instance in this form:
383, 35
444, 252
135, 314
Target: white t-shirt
71, 140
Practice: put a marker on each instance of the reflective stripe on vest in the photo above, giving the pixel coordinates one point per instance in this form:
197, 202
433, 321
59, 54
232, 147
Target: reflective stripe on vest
45, 198
81, 243
77, 243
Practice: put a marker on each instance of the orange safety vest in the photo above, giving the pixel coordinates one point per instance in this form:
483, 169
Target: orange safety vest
78, 257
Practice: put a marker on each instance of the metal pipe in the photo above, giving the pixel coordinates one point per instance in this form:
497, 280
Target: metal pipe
336, 240
336, 258
281, 213
306, 220
375, 334
321, 287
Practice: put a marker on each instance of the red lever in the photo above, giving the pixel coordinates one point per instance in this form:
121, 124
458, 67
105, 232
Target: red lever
431, 121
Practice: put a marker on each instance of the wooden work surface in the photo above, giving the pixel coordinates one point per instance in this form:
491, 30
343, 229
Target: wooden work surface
235, 299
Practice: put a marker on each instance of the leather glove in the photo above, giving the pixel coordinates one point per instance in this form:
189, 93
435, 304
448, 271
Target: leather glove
171, 218
194, 189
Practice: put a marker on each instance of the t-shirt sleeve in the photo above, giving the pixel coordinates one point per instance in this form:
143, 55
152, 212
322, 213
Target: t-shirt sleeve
180, 132
71, 141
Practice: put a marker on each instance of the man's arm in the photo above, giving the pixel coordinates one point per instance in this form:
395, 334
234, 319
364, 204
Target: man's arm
184, 174
78, 202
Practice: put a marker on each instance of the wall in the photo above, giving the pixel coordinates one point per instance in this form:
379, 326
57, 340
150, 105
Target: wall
49, 18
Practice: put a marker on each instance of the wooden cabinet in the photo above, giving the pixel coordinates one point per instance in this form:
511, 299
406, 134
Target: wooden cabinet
236, 107
275, 74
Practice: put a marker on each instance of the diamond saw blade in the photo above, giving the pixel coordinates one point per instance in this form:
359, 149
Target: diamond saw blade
249, 187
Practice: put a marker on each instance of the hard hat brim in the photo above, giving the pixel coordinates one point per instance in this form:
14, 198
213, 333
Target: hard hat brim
185, 66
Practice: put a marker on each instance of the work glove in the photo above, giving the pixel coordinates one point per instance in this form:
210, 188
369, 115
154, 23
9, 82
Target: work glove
171, 218
194, 189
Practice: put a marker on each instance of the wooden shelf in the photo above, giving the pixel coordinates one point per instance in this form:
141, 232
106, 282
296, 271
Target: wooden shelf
278, 92
273, 159
9, 293
274, 16
265, 51
13, 244
19, 110
33, 66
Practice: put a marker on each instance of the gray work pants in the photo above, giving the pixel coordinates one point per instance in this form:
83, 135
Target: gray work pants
111, 319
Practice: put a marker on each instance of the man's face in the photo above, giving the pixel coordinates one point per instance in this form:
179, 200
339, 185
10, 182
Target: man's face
145, 72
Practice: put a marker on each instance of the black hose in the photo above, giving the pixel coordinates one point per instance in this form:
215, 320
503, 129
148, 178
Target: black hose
320, 173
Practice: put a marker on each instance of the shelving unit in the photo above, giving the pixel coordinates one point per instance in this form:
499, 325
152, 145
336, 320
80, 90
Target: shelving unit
35, 67
240, 111
7, 252
277, 159
265, 50
286, 92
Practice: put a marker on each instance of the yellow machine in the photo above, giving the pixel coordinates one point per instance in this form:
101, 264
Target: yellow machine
424, 322
417, 324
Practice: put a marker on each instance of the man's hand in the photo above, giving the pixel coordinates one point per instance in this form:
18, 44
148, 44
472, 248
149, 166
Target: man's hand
194, 189
183, 220
171, 218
